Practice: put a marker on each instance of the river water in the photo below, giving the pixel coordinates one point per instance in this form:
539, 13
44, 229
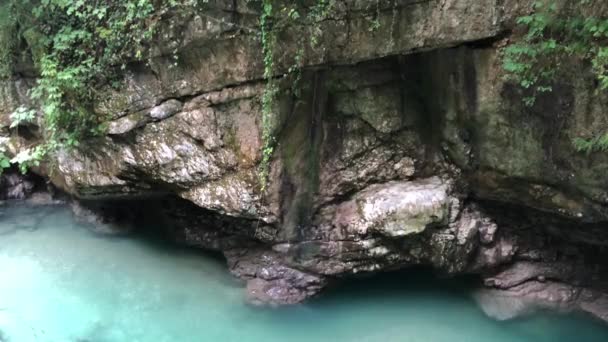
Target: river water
60, 282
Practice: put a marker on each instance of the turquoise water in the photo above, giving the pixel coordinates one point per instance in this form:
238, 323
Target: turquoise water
59, 282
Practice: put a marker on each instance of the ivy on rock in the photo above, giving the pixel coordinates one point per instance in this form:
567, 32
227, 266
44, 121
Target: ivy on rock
557, 35
81, 46
77, 46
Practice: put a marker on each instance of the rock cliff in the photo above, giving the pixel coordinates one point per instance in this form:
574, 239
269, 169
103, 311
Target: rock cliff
401, 146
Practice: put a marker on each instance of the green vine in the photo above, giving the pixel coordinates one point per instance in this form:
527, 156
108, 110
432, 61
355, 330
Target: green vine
77, 46
270, 91
273, 19
557, 34
80, 46
375, 22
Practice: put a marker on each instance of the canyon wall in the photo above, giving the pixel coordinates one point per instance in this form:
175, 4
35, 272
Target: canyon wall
401, 146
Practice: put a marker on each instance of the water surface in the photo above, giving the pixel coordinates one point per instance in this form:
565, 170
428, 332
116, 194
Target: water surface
60, 282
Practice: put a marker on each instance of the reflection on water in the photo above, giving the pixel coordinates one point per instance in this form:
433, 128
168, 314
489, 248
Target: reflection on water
59, 282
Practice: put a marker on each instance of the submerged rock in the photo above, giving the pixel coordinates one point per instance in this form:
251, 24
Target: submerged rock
269, 280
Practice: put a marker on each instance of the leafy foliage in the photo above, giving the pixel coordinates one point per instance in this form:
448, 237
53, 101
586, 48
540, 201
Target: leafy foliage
270, 91
554, 34
557, 35
21, 116
80, 46
596, 144
77, 46
273, 19
276, 17
29, 157
5, 162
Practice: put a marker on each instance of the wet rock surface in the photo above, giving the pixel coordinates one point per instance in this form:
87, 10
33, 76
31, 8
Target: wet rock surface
390, 156
269, 280
16, 186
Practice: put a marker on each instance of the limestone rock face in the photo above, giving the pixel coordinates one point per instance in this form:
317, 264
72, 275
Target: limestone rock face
395, 209
398, 147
